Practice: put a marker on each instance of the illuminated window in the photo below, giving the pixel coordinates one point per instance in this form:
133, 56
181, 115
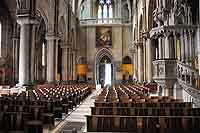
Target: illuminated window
82, 11
110, 10
105, 11
43, 54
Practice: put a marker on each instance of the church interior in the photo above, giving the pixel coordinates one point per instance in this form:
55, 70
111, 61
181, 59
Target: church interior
78, 66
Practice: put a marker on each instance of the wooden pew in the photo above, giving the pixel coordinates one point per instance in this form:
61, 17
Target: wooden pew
144, 111
142, 124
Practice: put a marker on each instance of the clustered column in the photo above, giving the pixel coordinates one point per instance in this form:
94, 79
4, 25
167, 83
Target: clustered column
51, 58
69, 62
182, 47
160, 48
149, 59
64, 62
140, 63
74, 65
25, 50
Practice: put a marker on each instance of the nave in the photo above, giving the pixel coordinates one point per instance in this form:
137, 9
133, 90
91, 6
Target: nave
84, 108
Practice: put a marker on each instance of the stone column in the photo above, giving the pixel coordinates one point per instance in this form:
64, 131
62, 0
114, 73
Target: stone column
198, 45
64, 62
74, 65
25, 50
168, 88
198, 48
167, 47
157, 5
68, 64
134, 65
51, 58
160, 48
149, 60
186, 47
24, 71
190, 47
144, 61
140, 63
15, 59
69, 61
182, 47
56, 57
172, 47
32, 51
72, 61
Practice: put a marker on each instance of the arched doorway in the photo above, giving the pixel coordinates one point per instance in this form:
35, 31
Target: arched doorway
104, 67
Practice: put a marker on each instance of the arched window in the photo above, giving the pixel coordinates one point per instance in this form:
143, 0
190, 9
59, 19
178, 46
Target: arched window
43, 54
110, 13
105, 11
83, 10
99, 14
0, 37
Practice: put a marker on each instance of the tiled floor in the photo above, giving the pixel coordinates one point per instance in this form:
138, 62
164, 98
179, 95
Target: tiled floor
77, 117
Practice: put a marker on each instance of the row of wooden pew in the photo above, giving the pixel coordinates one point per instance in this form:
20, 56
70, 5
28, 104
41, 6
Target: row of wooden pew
130, 108
29, 111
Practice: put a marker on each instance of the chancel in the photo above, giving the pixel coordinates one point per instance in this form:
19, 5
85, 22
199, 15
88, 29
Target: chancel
99, 66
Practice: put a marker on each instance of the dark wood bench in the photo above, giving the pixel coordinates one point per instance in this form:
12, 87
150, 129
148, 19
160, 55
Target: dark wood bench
142, 124
145, 111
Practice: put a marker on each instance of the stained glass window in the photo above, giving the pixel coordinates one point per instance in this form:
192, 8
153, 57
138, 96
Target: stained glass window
101, 2
105, 11
108, 2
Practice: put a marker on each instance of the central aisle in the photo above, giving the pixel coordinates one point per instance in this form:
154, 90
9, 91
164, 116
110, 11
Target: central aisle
77, 117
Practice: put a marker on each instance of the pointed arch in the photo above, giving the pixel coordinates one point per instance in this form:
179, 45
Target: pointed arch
43, 16
62, 29
151, 8
103, 52
140, 30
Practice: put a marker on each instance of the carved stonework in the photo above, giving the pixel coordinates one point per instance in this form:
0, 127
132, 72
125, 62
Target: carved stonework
165, 73
118, 66
26, 7
179, 11
160, 15
194, 93
165, 69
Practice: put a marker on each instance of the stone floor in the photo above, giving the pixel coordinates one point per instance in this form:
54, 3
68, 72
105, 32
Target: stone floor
76, 118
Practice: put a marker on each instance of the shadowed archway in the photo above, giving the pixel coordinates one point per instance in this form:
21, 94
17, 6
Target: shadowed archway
104, 66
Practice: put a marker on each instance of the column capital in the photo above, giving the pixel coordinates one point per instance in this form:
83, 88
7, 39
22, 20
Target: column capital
146, 35
167, 34
64, 46
51, 36
27, 20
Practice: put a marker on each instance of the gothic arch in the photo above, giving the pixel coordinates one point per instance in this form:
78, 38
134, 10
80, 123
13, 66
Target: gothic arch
140, 26
61, 29
41, 14
103, 52
79, 6
127, 60
150, 20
